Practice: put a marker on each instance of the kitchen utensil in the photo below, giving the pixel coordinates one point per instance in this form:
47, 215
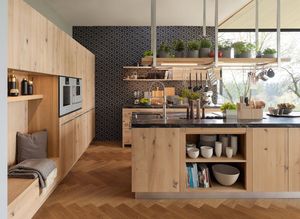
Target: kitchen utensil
190, 78
195, 89
229, 152
206, 151
206, 84
218, 148
234, 144
24, 87
212, 77
200, 87
193, 153
226, 175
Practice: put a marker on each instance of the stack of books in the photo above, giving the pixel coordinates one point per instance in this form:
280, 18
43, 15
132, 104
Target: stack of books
198, 176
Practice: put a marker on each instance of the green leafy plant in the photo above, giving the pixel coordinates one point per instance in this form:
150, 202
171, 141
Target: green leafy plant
193, 45
225, 45
145, 101
164, 48
186, 93
206, 43
148, 53
243, 47
179, 45
270, 51
228, 106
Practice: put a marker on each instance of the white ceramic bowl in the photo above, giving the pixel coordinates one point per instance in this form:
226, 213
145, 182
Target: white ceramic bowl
206, 151
190, 146
226, 175
208, 138
193, 153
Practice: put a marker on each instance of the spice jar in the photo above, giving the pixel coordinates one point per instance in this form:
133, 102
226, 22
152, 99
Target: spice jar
30, 87
24, 87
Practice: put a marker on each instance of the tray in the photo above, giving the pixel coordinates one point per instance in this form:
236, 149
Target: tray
291, 115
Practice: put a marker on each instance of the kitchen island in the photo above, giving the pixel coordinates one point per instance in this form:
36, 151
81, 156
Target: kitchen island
268, 156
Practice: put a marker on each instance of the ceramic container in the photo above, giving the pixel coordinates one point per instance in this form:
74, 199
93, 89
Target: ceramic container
226, 175
234, 144
206, 151
218, 148
229, 152
193, 153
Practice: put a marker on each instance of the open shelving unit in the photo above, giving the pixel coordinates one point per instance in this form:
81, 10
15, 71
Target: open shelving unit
24, 98
240, 161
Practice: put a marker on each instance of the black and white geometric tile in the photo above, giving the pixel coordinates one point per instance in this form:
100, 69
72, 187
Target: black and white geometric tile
118, 46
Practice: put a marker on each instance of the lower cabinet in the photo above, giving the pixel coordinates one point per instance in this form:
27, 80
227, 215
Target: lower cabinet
294, 160
67, 143
155, 160
270, 160
75, 137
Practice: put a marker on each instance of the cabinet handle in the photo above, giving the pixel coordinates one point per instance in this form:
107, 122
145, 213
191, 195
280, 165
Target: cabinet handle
265, 149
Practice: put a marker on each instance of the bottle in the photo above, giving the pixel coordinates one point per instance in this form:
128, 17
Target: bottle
12, 86
24, 87
30, 88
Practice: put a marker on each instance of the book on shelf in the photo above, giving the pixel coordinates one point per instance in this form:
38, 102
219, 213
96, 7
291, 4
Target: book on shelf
198, 176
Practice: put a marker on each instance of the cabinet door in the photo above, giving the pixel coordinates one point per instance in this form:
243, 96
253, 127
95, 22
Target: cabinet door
90, 81
90, 126
155, 160
270, 149
294, 160
67, 145
81, 135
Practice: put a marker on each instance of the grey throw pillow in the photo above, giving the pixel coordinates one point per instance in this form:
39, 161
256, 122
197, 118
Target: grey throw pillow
32, 146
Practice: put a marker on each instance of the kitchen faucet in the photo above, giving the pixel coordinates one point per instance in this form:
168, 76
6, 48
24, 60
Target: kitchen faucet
165, 98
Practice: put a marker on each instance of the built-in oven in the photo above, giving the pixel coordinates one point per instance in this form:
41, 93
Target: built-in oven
70, 95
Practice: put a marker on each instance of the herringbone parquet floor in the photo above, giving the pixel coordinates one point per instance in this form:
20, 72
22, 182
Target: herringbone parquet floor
99, 187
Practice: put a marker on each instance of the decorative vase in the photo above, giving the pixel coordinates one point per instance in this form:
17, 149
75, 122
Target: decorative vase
179, 54
218, 148
193, 53
191, 110
204, 52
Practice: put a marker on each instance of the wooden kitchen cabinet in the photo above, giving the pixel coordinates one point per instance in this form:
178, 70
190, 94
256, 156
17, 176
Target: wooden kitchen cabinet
155, 160
270, 160
67, 145
294, 160
90, 81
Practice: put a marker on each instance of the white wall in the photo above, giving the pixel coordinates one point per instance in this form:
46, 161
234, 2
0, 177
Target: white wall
46, 10
3, 107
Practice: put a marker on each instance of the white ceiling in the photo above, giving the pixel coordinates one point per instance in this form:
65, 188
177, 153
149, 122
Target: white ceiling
137, 12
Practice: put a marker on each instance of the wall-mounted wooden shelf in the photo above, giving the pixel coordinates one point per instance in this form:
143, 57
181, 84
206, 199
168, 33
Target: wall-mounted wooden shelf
177, 62
236, 159
24, 98
149, 80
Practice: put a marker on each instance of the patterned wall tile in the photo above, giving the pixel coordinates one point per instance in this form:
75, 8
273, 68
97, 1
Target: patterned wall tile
114, 48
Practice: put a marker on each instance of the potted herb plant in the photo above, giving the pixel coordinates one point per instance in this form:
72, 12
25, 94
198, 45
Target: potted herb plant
205, 47
226, 49
229, 110
193, 49
148, 53
179, 48
269, 53
164, 51
243, 50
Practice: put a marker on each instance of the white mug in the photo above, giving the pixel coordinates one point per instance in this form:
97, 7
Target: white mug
218, 148
229, 152
234, 144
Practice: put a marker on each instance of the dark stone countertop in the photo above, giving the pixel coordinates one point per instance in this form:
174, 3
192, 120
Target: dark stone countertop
137, 106
177, 120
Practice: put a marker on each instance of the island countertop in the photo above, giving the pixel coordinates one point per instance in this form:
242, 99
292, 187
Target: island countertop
177, 120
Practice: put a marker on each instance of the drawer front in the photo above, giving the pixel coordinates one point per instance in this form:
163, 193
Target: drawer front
127, 135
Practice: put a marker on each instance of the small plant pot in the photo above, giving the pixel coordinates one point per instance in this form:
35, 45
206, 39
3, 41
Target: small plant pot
163, 54
204, 52
193, 53
179, 54
231, 114
246, 55
269, 56
227, 53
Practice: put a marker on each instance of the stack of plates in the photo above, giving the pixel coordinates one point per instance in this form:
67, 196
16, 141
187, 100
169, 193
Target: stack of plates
208, 140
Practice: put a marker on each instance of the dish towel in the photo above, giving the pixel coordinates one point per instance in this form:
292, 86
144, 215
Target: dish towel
32, 169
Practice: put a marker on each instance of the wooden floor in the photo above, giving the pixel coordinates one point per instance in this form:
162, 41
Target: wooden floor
99, 187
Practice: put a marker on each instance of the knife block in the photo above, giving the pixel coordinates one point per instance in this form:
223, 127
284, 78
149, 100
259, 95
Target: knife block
247, 112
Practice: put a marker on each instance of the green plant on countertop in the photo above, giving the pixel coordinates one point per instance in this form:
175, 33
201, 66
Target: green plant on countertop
164, 48
269, 51
148, 53
225, 45
243, 47
228, 106
206, 43
193, 45
145, 101
179, 45
190, 95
